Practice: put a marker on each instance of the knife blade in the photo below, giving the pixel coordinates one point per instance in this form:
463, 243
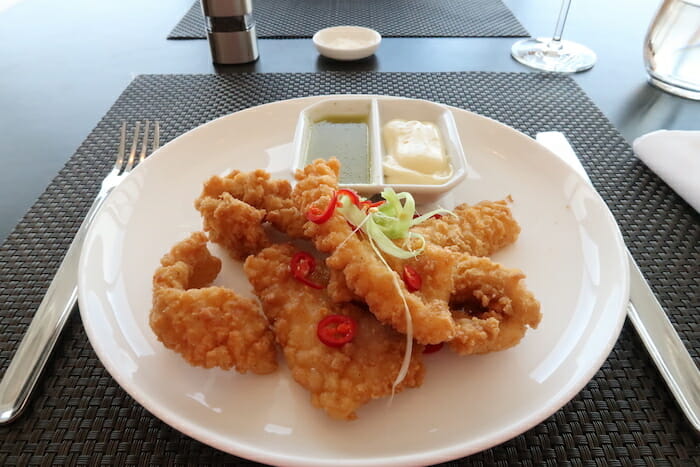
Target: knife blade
646, 313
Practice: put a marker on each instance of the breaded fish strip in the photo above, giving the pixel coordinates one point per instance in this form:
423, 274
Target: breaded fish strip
233, 224
340, 379
208, 326
479, 230
365, 274
497, 307
258, 190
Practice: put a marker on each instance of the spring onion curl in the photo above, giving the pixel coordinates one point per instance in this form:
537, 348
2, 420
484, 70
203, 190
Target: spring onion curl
390, 221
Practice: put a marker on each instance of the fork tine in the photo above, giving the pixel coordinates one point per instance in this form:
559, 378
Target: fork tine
144, 142
122, 147
134, 144
156, 136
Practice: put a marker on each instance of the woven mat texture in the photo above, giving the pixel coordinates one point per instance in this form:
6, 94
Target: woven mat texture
392, 18
624, 416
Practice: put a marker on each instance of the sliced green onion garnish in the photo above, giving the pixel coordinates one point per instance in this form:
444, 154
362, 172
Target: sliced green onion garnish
390, 221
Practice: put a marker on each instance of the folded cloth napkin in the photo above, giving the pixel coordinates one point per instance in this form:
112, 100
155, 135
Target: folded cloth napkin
675, 157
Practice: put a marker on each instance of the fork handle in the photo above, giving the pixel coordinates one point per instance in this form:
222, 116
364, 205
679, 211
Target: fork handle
45, 328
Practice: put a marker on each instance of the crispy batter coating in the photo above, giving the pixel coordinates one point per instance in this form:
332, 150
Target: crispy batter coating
340, 379
233, 224
208, 326
435, 266
382, 289
479, 230
315, 186
497, 308
258, 190
338, 289
366, 275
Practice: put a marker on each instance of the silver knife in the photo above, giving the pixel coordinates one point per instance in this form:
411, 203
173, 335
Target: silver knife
646, 314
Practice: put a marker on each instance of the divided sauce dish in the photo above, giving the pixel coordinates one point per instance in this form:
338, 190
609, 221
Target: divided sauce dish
353, 130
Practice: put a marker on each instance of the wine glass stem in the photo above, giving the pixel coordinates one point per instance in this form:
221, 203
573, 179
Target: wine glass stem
555, 43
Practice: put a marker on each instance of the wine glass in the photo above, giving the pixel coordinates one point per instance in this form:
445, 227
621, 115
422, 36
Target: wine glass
554, 54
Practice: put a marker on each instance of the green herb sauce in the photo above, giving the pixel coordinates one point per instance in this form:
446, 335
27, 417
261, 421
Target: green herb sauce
345, 138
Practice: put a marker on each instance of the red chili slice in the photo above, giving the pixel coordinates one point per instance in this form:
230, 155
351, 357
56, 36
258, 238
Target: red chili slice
412, 279
369, 204
317, 216
336, 330
302, 265
432, 348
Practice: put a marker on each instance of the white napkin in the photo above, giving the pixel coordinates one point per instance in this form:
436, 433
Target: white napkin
675, 157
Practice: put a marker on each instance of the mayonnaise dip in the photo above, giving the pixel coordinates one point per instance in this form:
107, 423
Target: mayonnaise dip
414, 153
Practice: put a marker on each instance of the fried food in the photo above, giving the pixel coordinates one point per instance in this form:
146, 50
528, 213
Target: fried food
208, 326
366, 275
451, 292
436, 268
338, 290
259, 191
387, 297
493, 308
479, 230
315, 186
340, 379
233, 224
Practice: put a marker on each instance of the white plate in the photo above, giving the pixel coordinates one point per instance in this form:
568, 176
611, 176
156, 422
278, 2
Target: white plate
570, 249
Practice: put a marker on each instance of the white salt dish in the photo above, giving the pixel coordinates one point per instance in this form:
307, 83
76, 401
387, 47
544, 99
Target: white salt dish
379, 111
347, 42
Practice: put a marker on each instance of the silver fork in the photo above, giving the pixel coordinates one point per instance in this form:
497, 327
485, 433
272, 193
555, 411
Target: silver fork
48, 321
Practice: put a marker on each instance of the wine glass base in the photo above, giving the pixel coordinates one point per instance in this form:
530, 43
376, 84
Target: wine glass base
545, 54
676, 90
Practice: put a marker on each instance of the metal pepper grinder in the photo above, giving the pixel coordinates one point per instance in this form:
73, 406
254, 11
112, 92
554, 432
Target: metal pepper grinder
231, 31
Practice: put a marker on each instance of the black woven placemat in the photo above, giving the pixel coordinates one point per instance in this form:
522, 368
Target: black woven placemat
392, 18
624, 416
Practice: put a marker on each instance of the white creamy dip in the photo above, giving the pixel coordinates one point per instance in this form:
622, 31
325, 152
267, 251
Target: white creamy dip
414, 153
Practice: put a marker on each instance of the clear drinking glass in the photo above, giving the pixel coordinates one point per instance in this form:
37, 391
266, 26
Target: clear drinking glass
554, 54
672, 48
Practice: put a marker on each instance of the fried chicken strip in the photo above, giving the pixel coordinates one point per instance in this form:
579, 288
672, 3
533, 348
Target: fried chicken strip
479, 230
340, 379
497, 308
435, 267
233, 224
261, 192
366, 276
208, 326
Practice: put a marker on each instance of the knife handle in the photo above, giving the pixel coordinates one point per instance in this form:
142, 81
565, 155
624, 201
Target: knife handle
45, 328
665, 347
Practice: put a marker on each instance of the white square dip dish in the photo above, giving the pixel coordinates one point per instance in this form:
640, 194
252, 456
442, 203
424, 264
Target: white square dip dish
377, 112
